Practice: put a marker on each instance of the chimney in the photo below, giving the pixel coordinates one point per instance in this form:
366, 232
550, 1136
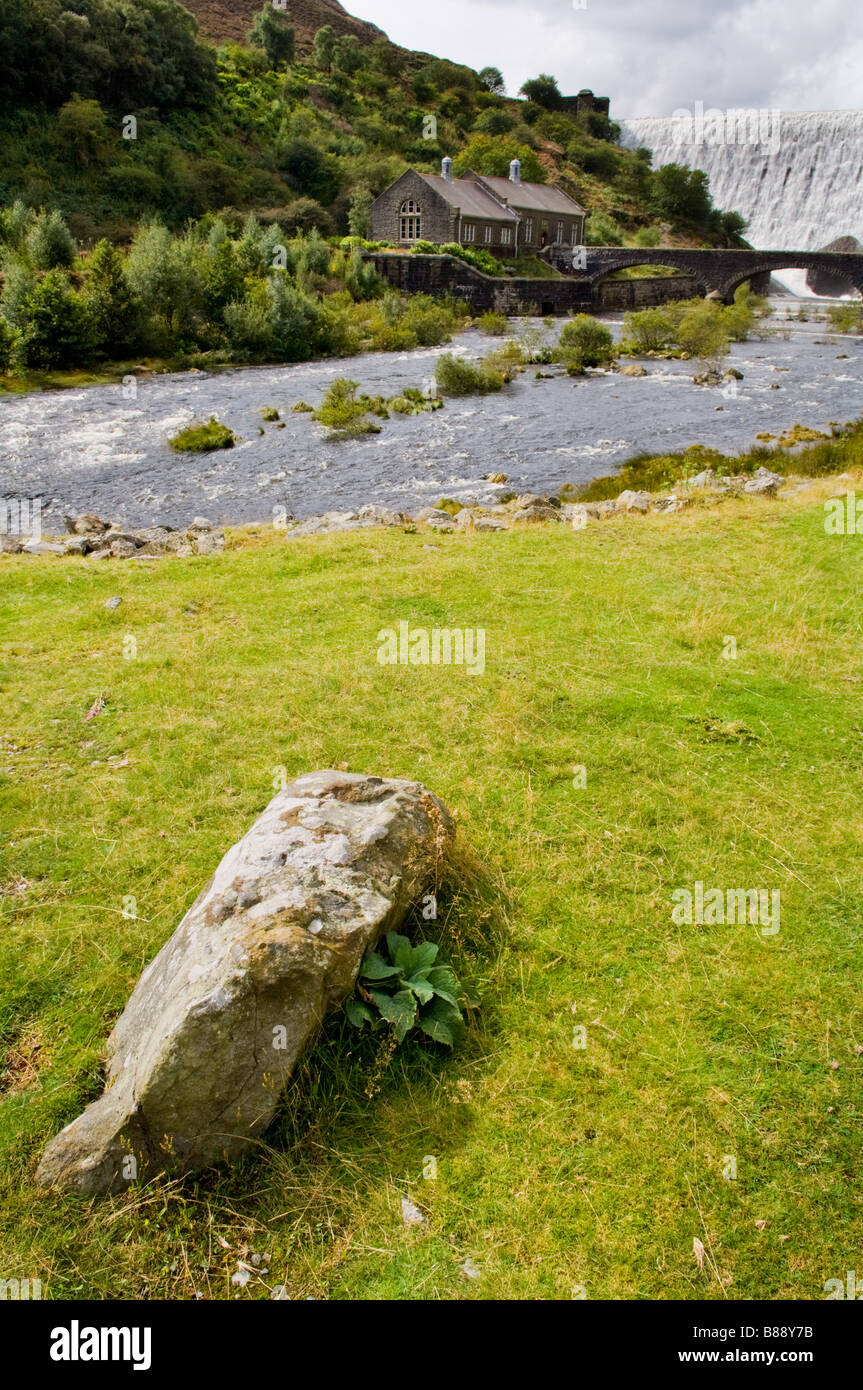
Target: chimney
515, 171
446, 168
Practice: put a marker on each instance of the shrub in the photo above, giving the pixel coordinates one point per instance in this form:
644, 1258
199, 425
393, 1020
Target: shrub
588, 340
648, 330
343, 412
703, 331
846, 318
112, 309
55, 331
457, 377
203, 438
50, 244
7, 340
482, 260
601, 230
493, 324
406, 989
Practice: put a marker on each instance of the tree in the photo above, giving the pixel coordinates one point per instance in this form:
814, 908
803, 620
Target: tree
324, 48
680, 193
56, 330
83, 126
50, 243
348, 57
544, 91
492, 78
494, 121
111, 307
273, 32
493, 154
359, 213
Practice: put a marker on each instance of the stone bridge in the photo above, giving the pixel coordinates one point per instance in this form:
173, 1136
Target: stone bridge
719, 271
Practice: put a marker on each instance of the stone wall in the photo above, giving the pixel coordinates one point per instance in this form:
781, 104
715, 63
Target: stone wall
515, 295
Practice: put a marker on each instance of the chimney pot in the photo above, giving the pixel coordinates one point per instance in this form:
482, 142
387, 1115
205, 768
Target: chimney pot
446, 168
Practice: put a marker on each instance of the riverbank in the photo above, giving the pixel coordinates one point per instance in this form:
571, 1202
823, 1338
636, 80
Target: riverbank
615, 748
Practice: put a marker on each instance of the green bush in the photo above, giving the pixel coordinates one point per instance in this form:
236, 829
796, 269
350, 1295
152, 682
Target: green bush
457, 377
493, 324
846, 318
344, 413
648, 330
50, 244
203, 438
588, 340
54, 327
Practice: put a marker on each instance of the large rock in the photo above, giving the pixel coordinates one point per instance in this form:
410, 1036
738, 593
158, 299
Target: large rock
217, 1021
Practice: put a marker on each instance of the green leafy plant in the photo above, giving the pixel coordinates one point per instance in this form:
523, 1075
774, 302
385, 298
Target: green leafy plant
407, 990
202, 439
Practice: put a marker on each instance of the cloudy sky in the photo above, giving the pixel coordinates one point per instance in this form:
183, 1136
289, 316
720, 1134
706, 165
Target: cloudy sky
651, 57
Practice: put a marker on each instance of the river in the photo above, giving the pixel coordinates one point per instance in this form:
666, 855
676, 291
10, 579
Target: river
94, 449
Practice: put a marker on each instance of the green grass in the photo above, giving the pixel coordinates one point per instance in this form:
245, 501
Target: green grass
203, 438
556, 1167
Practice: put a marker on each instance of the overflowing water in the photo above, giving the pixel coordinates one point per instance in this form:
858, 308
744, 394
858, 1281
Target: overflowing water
796, 176
95, 450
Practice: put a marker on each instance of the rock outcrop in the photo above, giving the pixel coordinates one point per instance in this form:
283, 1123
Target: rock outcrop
214, 1026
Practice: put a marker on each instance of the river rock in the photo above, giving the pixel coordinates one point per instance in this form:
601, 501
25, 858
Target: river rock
489, 523
763, 483
89, 525
215, 1024
629, 501
537, 511
634, 369
10, 545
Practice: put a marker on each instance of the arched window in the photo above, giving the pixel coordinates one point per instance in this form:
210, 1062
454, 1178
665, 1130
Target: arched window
409, 220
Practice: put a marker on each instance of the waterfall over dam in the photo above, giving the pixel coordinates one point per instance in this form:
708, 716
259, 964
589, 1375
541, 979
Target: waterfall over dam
796, 176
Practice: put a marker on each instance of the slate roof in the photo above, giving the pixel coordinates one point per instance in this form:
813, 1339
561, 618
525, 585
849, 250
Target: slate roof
470, 197
539, 197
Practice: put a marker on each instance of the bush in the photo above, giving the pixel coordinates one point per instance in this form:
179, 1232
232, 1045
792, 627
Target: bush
112, 309
457, 377
50, 244
55, 331
493, 324
343, 412
584, 338
648, 330
846, 318
203, 439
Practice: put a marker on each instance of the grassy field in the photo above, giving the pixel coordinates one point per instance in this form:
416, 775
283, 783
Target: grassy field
562, 1171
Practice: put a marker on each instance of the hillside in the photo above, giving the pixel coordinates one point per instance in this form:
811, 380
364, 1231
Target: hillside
298, 133
221, 20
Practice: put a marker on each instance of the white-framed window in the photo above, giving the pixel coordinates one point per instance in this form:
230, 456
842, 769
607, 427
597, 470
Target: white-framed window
468, 232
559, 237
506, 236
528, 229
489, 233
574, 238
410, 220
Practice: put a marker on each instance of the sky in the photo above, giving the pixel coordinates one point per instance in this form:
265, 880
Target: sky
652, 57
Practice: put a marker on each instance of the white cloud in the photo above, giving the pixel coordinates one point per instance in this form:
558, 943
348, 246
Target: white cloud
650, 56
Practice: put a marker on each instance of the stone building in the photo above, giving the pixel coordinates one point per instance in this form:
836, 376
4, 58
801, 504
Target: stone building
504, 216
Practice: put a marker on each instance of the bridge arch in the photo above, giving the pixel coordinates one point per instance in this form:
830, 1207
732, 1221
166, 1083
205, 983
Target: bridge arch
852, 279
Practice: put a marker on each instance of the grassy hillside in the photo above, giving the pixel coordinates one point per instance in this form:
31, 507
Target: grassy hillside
303, 133
559, 1168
